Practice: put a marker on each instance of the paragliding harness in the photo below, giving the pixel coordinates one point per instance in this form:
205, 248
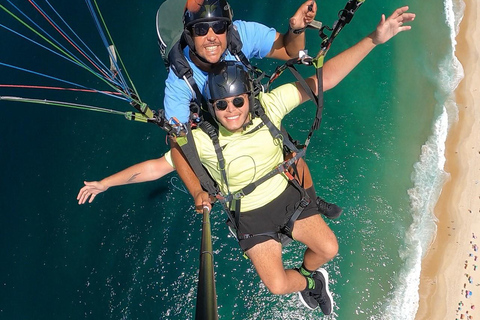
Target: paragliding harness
203, 120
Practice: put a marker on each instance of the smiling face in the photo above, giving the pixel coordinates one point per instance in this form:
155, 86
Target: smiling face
210, 46
234, 116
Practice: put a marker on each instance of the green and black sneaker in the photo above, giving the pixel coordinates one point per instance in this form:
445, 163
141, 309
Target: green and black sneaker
317, 293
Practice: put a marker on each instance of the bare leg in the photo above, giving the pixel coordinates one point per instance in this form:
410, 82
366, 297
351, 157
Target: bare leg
267, 259
319, 238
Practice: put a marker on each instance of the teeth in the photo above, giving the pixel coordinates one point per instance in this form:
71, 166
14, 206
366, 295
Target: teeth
232, 118
211, 48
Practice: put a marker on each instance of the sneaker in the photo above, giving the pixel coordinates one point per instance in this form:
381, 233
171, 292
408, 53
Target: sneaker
306, 297
321, 293
329, 210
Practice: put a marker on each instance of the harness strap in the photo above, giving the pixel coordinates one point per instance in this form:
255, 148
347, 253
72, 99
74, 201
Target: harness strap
274, 131
187, 145
281, 168
302, 204
212, 132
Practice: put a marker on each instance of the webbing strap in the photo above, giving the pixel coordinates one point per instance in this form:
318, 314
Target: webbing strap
303, 203
274, 131
281, 168
187, 144
212, 132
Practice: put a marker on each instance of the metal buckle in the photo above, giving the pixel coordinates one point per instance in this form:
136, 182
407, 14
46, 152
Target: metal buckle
238, 195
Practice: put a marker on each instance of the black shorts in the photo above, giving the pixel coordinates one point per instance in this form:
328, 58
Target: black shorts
273, 216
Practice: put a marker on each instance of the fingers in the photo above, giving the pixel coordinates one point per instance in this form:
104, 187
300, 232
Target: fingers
88, 192
202, 200
388, 28
401, 15
304, 15
405, 28
200, 208
86, 195
92, 196
83, 196
311, 11
400, 11
382, 20
200, 205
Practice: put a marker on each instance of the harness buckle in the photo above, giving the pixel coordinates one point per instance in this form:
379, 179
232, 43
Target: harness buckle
304, 202
286, 230
238, 195
178, 128
304, 58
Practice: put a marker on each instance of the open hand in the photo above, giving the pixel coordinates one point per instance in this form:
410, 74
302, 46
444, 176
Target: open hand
90, 190
388, 28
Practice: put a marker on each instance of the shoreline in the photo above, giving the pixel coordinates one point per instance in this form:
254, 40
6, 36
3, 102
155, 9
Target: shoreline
449, 269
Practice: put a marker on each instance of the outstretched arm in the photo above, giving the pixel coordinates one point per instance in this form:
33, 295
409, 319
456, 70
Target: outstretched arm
338, 67
287, 46
145, 171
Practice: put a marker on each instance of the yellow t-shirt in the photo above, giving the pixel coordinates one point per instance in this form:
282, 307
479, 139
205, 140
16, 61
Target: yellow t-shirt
168, 157
249, 156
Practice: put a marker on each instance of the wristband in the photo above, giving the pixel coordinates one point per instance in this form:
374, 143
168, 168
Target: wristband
296, 31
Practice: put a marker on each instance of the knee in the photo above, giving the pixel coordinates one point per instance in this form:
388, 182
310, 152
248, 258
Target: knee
330, 247
276, 286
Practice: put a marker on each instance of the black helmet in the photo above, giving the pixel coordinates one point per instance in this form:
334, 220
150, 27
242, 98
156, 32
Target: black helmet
206, 10
228, 79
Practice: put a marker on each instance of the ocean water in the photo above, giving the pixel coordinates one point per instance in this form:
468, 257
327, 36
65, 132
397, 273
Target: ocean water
134, 252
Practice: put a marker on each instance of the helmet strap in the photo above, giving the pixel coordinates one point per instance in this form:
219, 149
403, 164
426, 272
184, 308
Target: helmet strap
188, 39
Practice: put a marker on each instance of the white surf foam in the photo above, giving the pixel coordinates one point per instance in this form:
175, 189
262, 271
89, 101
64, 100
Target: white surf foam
428, 178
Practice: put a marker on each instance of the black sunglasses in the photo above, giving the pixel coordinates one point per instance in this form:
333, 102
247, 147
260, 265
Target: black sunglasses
201, 28
221, 104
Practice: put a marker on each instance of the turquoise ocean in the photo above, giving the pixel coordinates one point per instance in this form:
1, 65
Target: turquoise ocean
134, 252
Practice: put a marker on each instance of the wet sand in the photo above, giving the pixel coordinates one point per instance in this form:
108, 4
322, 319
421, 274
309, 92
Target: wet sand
451, 267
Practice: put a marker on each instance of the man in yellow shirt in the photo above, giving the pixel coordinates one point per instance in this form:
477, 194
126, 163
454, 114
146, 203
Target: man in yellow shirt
250, 151
245, 149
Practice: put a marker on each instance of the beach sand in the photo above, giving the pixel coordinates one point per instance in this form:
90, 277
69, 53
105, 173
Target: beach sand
449, 269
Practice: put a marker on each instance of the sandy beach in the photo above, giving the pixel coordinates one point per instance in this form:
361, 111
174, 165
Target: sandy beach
450, 277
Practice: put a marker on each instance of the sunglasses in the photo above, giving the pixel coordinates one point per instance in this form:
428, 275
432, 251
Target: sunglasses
221, 104
201, 28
